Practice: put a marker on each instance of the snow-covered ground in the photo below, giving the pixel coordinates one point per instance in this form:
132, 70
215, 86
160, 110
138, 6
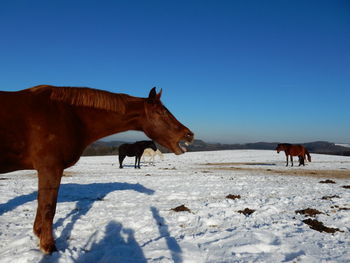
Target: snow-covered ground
107, 214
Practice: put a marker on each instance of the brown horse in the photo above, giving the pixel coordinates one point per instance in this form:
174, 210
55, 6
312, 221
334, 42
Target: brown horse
294, 150
46, 128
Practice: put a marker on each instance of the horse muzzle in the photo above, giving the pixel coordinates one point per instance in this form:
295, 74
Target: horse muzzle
184, 142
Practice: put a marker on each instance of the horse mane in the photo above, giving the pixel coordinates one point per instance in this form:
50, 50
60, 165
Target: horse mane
285, 144
87, 97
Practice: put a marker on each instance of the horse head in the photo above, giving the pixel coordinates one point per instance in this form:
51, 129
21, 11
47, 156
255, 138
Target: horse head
161, 126
279, 148
153, 146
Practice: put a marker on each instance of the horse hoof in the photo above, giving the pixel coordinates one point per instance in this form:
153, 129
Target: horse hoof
48, 249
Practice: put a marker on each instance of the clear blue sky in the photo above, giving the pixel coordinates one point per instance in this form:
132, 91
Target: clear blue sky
232, 71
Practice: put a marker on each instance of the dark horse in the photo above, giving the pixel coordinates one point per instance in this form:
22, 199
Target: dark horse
294, 150
46, 128
134, 149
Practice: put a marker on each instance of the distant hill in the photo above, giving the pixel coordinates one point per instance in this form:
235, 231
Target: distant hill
322, 147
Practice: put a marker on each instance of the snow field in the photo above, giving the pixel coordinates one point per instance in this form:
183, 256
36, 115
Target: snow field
107, 214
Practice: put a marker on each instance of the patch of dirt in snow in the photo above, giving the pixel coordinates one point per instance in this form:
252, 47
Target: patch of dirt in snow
246, 211
340, 208
319, 226
327, 182
330, 197
339, 174
233, 196
181, 208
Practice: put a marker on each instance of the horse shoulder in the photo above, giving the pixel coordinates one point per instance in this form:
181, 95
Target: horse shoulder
53, 132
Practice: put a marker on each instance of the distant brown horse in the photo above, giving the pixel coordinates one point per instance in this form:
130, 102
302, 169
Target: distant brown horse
294, 150
46, 128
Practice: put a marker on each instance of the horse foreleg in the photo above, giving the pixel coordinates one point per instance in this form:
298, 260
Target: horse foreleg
287, 159
49, 183
138, 158
291, 160
121, 159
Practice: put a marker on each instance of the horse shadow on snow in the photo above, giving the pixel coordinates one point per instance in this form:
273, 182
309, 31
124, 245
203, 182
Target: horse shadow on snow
118, 245
85, 195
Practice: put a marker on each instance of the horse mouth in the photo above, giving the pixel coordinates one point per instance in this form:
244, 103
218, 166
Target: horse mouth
184, 143
182, 146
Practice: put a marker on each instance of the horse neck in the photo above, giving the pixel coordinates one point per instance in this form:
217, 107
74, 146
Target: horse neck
145, 146
99, 123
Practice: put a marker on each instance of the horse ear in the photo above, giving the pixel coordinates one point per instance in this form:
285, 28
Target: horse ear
159, 94
153, 96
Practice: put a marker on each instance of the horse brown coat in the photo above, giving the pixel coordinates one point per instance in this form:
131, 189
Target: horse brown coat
294, 150
46, 128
